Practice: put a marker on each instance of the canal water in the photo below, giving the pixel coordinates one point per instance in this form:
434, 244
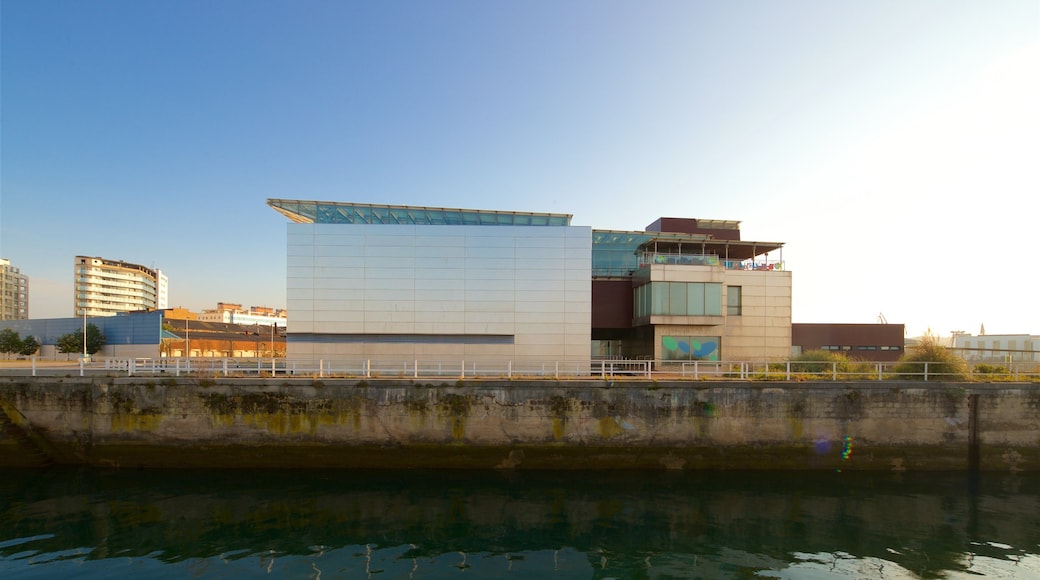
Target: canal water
83, 523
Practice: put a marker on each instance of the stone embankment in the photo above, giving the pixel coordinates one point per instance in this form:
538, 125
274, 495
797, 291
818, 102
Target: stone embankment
139, 422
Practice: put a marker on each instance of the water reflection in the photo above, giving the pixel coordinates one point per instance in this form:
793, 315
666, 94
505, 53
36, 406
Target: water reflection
420, 524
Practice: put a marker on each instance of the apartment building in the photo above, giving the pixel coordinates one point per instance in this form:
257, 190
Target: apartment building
106, 287
14, 292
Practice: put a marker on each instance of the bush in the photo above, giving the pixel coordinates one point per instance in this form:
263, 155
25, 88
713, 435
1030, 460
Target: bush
943, 363
820, 361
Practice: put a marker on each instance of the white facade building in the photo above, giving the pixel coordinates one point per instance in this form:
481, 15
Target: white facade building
235, 314
107, 287
995, 348
162, 296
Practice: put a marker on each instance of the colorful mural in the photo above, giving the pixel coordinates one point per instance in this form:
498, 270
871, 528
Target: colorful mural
690, 347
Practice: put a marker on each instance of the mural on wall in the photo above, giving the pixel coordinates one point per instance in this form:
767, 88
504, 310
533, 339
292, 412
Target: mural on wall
690, 347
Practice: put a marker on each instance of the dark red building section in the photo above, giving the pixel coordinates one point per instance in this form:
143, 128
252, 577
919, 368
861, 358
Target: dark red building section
611, 304
873, 342
717, 229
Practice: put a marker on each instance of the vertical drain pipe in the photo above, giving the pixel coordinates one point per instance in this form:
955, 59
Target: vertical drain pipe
973, 432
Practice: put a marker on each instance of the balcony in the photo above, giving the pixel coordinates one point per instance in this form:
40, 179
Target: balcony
648, 259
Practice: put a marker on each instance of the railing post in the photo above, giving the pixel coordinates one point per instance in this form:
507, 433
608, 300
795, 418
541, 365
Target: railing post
34, 366
926, 371
509, 369
834, 371
557, 375
368, 368
416, 375
788, 371
178, 367
81, 367
225, 367
879, 367
696, 370
130, 367
321, 368
462, 367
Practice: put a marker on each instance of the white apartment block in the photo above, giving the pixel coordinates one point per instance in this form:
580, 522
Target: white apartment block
106, 287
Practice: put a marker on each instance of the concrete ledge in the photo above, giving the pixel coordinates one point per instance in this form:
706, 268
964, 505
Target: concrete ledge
393, 423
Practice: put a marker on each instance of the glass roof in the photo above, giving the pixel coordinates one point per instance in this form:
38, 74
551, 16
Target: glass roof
332, 212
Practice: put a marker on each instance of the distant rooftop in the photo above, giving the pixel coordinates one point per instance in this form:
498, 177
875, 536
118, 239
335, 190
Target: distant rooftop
335, 212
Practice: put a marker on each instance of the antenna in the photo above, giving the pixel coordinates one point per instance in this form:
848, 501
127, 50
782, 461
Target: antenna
881, 318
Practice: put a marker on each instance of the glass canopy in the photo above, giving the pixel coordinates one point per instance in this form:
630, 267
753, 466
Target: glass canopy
331, 212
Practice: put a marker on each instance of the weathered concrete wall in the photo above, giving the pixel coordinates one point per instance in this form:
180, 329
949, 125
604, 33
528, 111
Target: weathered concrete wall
141, 422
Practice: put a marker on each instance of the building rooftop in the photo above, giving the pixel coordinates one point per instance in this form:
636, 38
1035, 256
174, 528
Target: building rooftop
335, 212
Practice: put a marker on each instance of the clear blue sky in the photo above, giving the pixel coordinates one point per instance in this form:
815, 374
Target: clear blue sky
894, 146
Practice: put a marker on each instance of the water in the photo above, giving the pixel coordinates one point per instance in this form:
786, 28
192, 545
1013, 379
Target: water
420, 524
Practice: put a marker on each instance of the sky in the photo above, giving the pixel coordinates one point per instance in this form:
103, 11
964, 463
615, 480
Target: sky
892, 146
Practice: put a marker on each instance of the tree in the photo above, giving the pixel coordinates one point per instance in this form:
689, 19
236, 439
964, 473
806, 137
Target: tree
73, 341
70, 343
9, 341
29, 346
95, 340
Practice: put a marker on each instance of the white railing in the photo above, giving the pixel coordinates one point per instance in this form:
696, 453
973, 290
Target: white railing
593, 369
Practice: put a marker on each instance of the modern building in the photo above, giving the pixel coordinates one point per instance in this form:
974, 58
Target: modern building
14, 292
871, 342
689, 289
403, 283
107, 287
235, 314
410, 283
997, 348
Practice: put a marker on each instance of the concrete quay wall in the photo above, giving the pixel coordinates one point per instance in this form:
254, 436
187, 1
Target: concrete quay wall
140, 422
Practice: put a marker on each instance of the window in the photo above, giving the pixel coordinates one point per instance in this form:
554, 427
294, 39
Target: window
678, 299
733, 300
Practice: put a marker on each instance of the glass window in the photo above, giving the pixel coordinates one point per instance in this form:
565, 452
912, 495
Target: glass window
733, 300
658, 298
677, 298
713, 299
695, 300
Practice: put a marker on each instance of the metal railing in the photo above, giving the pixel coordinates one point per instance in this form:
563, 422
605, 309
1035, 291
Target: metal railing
593, 369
